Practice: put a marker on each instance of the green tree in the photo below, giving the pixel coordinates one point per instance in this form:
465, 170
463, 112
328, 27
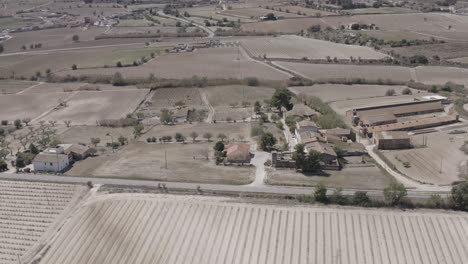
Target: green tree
360, 198
118, 64
3, 165
222, 136
166, 116
320, 193
95, 141
74, 67
18, 124
312, 162
267, 141
394, 193
33, 149
137, 130
2, 49
76, 38
282, 98
20, 162
459, 198
299, 155
179, 137
407, 91
122, 140
219, 146
257, 107
118, 79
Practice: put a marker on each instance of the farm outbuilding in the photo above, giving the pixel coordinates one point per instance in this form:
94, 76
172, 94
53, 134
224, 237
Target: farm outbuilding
51, 162
392, 140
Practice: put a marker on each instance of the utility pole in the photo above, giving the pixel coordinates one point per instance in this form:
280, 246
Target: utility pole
441, 160
165, 159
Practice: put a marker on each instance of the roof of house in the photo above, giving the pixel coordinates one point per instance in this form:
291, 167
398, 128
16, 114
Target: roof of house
306, 123
238, 151
414, 123
392, 135
372, 119
308, 136
74, 148
338, 131
52, 158
301, 110
401, 109
321, 147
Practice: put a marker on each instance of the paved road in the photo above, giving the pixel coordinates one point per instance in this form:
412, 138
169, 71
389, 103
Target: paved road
264, 189
210, 32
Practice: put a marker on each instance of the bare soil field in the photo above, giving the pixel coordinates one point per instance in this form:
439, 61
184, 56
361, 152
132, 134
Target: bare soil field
361, 177
21, 106
337, 71
30, 214
83, 134
82, 9
256, 12
296, 47
441, 162
167, 97
381, 10
211, 63
230, 94
233, 131
441, 75
304, 10
338, 92
284, 25
69, 87
395, 35
211, 12
87, 107
445, 51
144, 228
13, 86
185, 163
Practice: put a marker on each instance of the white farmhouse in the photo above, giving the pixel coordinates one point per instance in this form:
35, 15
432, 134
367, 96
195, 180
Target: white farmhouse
52, 159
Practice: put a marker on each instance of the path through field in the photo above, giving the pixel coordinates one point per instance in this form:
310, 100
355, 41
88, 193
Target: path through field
142, 228
211, 113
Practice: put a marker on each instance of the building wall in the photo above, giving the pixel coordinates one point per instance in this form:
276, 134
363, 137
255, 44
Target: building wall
403, 143
47, 166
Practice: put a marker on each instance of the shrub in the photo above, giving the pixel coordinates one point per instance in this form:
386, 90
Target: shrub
251, 81
360, 198
18, 124
390, 92
394, 193
4, 122
407, 91
320, 193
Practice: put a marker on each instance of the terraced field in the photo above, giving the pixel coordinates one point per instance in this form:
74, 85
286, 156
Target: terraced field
28, 212
135, 228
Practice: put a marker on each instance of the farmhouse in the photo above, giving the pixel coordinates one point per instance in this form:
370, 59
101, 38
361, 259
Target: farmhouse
329, 156
306, 130
392, 140
238, 153
52, 159
342, 134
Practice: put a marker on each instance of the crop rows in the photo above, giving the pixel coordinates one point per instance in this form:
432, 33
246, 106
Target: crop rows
160, 230
27, 210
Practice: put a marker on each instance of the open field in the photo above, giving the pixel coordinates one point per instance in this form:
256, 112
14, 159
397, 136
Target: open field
230, 94
340, 71
185, 163
355, 177
232, 130
75, 86
304, 10
284, 25
13, 87
296, 47
256, 12
14, 22
445, 51
381, 10
442, 149
167, 97
217, 63
14, 106
211, 12
441, 75
30, 214
339, 92
395, 35
132, 228
87, 107
83, 134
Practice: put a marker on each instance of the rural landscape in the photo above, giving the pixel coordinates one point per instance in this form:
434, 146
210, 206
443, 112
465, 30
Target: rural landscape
233, 131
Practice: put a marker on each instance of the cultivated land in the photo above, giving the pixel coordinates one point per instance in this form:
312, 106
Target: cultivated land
441, 162
339, 92
14, 106
88, 107
337, 71
365, 177
255, 13
13, 87
211, 62
83, 134
441, 75
185, 163
30, 214
167, 97
296, 47
69, 87
134, 228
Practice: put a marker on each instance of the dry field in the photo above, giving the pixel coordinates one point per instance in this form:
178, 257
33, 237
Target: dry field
87, 107
231, 130
30, 214
445, 51
441, 75
14, 106
167, 97
425, 163
13, 87
304, 10
359, 177
226, 95
211, 63
185, 163
83, 134
337, 71
339, 92
75, 86
296, 47
211, 12
256, 12
381, 10
284, 25
124, 228
395, 35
